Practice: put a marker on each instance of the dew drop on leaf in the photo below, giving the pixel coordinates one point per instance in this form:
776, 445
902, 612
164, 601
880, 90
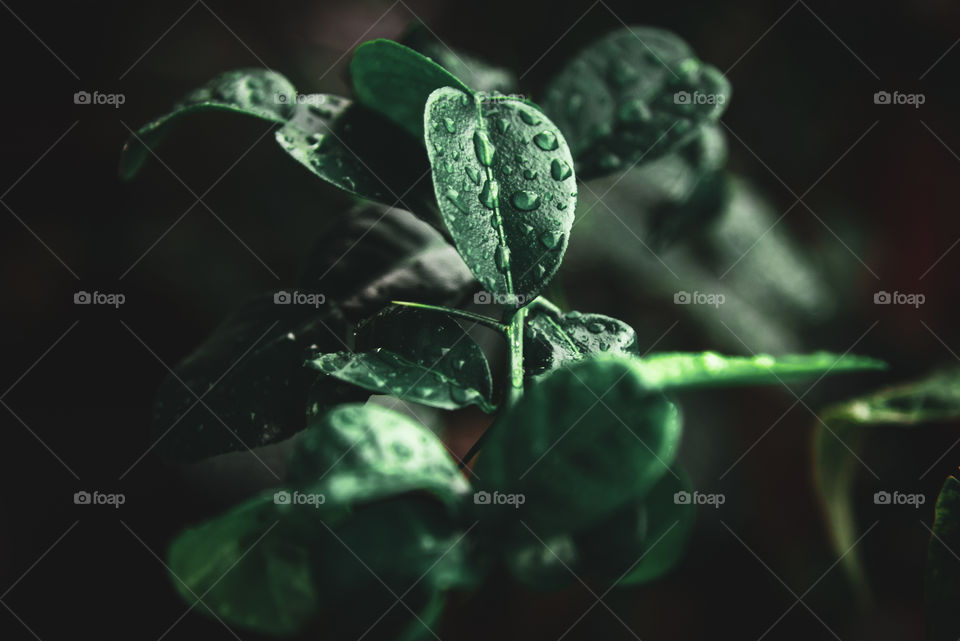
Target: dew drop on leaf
546, 140
489, 195
529, 174
551, 239
529, 118
483, 148
502, 258
526, 200
454, 197
559, 169
450, 126
474, 174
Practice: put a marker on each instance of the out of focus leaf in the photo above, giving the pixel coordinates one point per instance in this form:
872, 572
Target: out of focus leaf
575, 459
415, 355
503, 176
942, 581
633, 95
840, 437
396, 81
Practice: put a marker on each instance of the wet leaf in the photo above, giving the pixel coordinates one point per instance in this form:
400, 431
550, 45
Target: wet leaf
259, 93
503, 176
553, 339
396, 80
417, 356
574, 459
376, 254
361, 453
942, 581
475, 73
633, 95
837, 446
249, 374
670, 370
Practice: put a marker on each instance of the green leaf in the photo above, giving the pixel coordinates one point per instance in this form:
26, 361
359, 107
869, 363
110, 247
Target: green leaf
249, 374
376, 254
475, 73
360, 453
633, 95
942, 580
418, 356
577, 459
247, 570
837, 446
670, 370
503, 176
337, 140
396, 80
553, 339
259, 93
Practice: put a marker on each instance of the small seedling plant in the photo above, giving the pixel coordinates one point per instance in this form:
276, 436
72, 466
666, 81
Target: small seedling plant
576, 477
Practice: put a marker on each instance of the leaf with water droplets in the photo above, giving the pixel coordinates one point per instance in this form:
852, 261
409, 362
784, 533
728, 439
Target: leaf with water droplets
477, 74
633, 95
416, 355
575, 460
259, 93
511, 227
553, 339
396, 81
671, 370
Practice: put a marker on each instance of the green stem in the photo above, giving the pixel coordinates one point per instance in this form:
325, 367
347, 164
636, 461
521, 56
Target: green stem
461, 313
515, 356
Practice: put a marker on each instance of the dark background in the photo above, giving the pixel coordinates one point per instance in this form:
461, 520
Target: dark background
801, 98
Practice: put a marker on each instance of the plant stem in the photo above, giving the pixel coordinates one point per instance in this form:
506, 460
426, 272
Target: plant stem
515, 356
461, 313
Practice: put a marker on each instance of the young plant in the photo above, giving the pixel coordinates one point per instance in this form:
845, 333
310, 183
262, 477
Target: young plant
576, 474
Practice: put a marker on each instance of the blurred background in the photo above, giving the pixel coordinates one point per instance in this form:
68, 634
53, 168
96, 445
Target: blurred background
876, 186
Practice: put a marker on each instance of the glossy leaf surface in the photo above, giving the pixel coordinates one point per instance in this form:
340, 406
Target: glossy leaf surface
503, 177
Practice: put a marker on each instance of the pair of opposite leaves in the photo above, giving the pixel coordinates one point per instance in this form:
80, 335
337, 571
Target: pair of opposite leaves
503, 174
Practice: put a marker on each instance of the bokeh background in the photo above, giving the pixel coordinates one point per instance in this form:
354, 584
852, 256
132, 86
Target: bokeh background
78, 381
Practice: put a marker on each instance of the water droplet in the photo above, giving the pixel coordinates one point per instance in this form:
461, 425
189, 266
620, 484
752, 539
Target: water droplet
483, 148
574, 315
529, 174
529, 118
559, 169
502, 258
490, 194
551, 239
454, 197
595, 327
546, 140
502, 125
450, 125
507, 170
474, 174
526, 200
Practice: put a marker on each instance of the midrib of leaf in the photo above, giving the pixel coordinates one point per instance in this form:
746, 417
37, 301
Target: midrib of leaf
565, 335
488, 173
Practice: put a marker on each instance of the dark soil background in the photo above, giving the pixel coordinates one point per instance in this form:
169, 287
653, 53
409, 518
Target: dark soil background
78, 381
